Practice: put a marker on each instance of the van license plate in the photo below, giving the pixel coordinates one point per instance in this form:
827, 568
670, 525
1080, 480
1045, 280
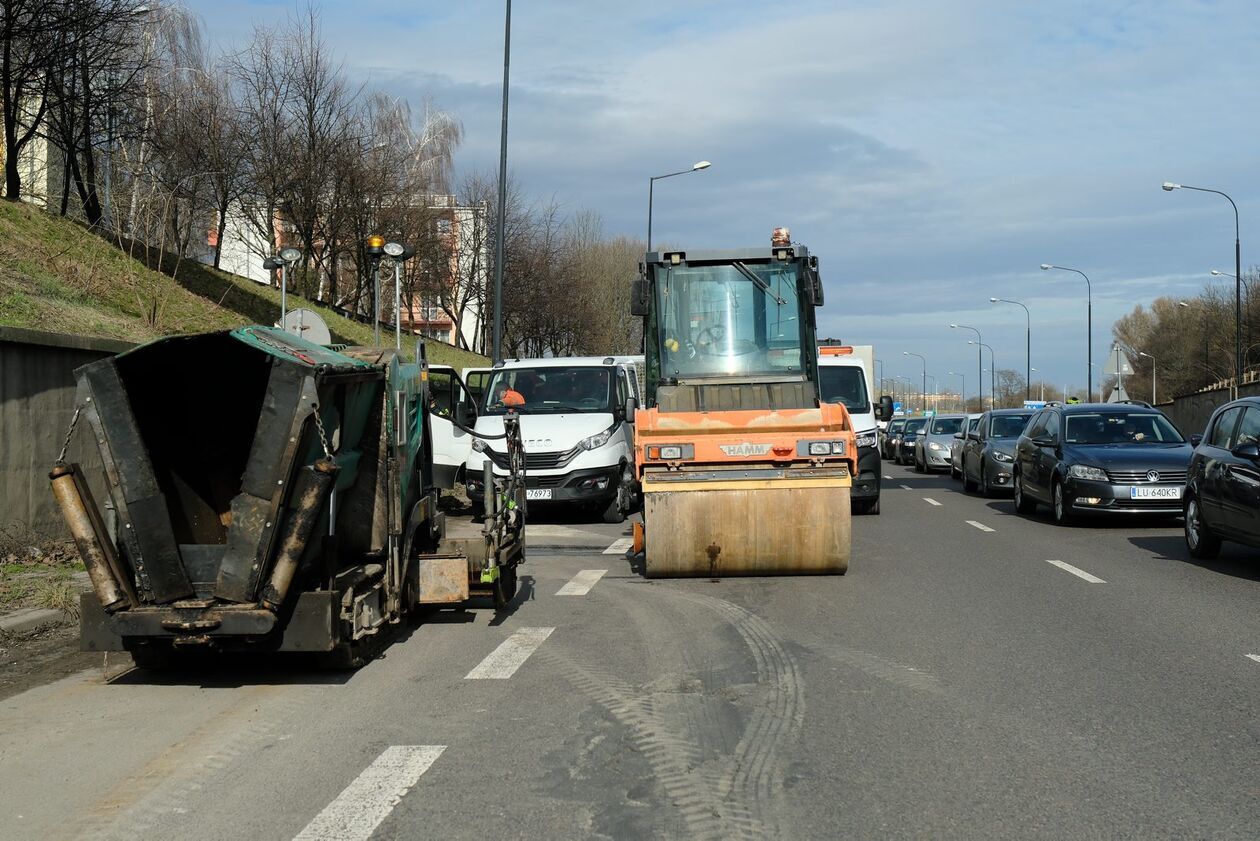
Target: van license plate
538, 493
1155, 493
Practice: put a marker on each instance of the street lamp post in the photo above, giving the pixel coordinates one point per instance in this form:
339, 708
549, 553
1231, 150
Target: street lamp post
496, 332
1091, 393
922, 359
962, 389
1043, 387
979, 363
399, 253
1027, 343
1089, 322
1154, 400
1238, 358
696, 167
992, 377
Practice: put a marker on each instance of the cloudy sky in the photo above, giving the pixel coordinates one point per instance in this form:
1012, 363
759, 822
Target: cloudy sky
932, 154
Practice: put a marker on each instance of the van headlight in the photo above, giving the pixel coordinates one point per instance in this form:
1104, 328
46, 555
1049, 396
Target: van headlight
598, 440
868, 439
1084, 471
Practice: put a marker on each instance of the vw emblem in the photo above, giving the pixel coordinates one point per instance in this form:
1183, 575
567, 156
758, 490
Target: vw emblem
1152, 475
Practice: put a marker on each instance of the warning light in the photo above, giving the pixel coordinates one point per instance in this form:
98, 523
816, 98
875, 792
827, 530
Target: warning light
781, 236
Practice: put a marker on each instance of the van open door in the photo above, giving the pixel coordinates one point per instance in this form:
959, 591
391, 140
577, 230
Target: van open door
476, 380
451, 445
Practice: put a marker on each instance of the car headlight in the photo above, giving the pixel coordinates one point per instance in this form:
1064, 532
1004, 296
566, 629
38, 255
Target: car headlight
598, 440
868, 439
1006, 458
935, 446
1084, 471
479, 445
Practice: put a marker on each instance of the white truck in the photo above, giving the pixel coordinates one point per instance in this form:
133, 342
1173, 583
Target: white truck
845, 376
577, 422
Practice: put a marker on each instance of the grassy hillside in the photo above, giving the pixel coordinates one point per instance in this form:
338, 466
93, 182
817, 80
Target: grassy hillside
56, 276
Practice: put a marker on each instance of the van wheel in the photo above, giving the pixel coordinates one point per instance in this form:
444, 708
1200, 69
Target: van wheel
1200, 540
619, 506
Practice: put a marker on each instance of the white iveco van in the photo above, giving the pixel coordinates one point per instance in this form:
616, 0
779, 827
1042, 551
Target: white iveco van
577, 421
844, 376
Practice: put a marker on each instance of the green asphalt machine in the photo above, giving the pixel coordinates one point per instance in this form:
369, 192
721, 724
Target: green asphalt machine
264, 493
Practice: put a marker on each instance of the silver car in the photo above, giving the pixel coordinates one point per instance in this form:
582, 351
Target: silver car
931, 449
956, 446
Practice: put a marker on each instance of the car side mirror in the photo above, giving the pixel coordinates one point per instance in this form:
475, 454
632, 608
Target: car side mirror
958, 435
629, 409
885, 408
1196, 439
973, 436
1043, 441
639, 296
1249, 451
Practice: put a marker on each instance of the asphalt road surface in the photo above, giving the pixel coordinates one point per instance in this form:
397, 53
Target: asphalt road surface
976, 675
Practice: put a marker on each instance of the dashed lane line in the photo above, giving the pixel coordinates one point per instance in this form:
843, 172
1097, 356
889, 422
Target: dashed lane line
1255, 657
930, 501
886, 476
905, 487
503, 662
581, 583
620, 546
368, 800
980, 526
1079, 573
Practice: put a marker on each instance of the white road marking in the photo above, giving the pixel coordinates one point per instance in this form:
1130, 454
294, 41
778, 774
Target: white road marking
581, 583
886, 476
368, 800
1255, 657
905, 487
980, 526
930, 501
1079, 573
503, 662
619, 546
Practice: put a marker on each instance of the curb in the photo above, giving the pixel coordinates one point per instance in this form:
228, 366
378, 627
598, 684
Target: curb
30, 619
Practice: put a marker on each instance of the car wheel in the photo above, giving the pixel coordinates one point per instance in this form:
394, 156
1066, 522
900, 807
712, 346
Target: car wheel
953, 471
968, 485
919, 468
866, 506
985, 490
1024, 504
1200, 540
1062, 511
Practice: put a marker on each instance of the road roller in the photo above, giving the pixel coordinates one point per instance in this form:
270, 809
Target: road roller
744, 470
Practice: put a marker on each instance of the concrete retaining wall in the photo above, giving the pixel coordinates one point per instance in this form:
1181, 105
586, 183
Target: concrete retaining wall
1191, 411
37, 391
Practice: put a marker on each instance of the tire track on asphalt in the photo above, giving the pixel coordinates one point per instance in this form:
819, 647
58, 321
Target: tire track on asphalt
164, 785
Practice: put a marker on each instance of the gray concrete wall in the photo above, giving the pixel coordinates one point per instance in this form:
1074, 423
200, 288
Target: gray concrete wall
1191, 411
37, 392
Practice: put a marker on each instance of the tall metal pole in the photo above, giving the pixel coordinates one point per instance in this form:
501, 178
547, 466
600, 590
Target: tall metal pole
651, 185
284, 288
922, 359
979, 363
696, 167
497, 342
376, 302
1027, 343
1089, 325
397, 305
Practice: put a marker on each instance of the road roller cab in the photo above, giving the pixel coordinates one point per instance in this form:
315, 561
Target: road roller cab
744, 470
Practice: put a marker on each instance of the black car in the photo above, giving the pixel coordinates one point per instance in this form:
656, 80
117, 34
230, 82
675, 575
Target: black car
1101, 458
903, 453
1223, 492
989, 450
892, 435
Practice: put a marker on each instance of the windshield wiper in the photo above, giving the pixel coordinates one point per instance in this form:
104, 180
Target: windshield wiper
758, 281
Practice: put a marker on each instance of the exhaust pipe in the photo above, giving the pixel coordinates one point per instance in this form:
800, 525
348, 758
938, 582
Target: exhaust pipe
323, 475
91, 539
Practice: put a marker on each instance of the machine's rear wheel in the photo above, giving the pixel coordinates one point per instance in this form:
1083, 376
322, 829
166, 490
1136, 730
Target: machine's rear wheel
505, 588
866, 506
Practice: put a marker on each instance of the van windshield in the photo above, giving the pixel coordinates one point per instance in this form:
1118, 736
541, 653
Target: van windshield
549, 390
844, 384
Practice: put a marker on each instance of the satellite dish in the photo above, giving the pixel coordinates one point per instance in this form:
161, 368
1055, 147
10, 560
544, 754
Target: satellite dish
308, 325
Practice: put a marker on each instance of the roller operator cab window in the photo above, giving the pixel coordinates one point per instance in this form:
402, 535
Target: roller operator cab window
549, 390
844, 384
730, 319
1121, 428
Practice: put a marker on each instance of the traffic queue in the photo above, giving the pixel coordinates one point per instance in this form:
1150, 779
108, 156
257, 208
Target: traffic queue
1083, 462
